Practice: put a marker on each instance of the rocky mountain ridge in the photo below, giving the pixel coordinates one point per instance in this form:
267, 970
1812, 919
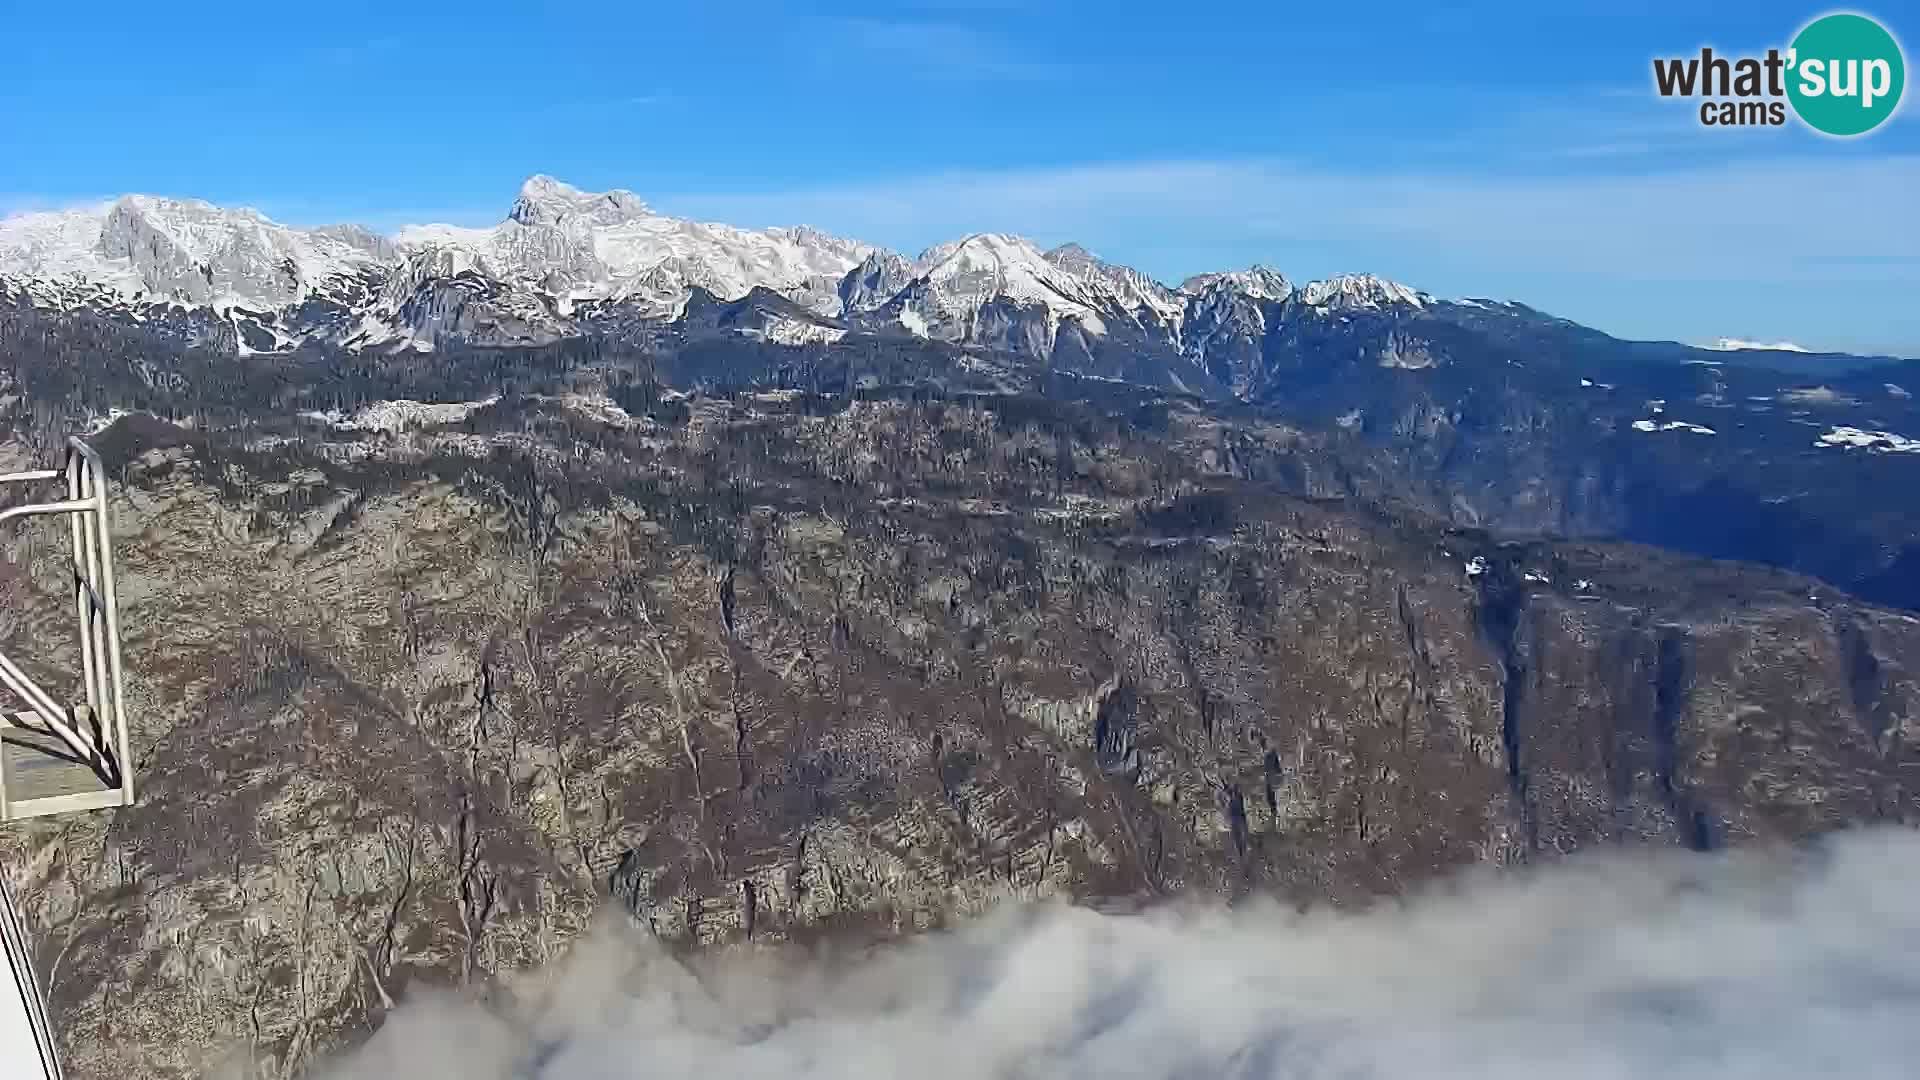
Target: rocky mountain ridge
235, 278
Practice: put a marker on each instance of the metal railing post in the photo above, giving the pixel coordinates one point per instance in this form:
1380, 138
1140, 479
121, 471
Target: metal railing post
111, 603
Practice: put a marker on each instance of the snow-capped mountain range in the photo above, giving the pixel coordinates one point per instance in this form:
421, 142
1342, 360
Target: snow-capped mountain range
567, 262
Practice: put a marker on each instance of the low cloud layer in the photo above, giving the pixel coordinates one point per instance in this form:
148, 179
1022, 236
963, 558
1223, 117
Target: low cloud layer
1742, 966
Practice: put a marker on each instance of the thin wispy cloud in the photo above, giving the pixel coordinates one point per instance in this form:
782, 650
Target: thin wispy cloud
929, 49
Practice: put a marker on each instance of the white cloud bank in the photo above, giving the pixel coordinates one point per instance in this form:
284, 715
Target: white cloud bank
1743, 966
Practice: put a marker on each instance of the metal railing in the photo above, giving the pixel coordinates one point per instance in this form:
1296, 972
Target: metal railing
89, 736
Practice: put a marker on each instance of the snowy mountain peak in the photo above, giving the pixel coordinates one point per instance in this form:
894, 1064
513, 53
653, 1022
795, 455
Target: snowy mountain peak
958, 282
1257, 282
1073, 257
541, 186
185, 251
1145, 299
1352, 291
577, 245
1000, 264
807, 234
978, 249
546, 201
878, 279
51, 244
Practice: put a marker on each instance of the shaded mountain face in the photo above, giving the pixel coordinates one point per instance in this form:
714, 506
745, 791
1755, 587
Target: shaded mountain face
433, 657
1517, 421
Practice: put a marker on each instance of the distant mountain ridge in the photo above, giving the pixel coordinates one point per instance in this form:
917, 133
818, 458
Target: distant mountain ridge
567, 264
564, 258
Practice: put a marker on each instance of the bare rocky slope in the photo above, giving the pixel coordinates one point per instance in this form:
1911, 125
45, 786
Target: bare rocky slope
417, 691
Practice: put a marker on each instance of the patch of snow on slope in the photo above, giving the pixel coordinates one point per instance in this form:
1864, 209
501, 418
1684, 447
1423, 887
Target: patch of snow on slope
394, 417
1878, 442
101, 422
1816, 395
1672, 425
1739, 345
599, 407
798, 332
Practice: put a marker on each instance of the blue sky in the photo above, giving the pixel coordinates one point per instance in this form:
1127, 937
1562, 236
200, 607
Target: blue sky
1506, 149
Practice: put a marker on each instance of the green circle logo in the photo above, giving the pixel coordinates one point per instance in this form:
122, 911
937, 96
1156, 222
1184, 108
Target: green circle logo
1845, 74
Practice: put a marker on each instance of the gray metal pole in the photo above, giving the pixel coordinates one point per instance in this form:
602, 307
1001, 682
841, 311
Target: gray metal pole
27, 1047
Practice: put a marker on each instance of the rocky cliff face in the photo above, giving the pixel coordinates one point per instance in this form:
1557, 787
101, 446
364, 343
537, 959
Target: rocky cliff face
415, 698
